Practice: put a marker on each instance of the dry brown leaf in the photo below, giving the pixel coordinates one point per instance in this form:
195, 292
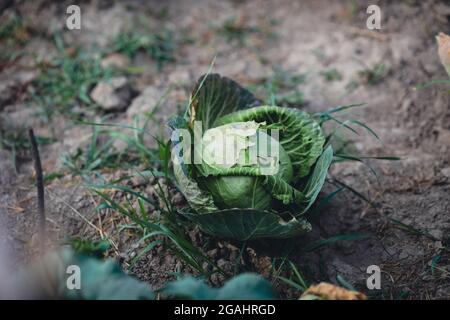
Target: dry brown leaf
444, 50
328, 291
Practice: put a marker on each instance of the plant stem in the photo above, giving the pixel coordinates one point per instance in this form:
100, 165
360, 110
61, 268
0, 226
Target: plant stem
40, 187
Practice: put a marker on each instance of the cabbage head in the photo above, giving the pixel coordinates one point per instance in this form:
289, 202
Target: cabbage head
249, 182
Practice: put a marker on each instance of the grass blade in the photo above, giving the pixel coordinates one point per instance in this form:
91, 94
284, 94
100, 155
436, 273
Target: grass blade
325, 242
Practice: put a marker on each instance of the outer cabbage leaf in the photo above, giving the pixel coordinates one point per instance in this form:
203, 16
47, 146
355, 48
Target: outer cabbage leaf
198, 199
201, 201
215, 96
300, 135
275, 185
247, 224
317, 178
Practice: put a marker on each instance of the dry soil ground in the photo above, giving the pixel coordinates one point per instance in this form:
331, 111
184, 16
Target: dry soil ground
342, 62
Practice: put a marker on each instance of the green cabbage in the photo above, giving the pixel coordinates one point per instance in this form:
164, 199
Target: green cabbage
236, 191
240, 191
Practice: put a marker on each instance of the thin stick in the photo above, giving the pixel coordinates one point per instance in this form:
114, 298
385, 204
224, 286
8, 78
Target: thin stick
40, 186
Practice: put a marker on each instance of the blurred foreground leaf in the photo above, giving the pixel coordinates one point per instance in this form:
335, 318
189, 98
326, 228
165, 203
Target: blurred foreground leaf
246, 286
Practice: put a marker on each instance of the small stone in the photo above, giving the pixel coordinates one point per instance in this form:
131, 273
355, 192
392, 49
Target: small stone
112, 94
403, 254
145, 102
437, 233
263, 265
439, 245
115, 60
75, 138
222, 263
212, 253
137, 181
231, 247
168, 259
179, 76
446, 172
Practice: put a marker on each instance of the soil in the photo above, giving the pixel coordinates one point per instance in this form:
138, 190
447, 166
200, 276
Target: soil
406, 230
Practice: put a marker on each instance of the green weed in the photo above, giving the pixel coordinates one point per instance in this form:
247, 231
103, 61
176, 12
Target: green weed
97, 155
15, 139
296, 279
281, 88
332, 75
64, 82
152, 229
373, 75
13, 35
159, 46
235, 30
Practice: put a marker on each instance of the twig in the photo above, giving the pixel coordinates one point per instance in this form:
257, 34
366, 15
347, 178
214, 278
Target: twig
102, 233
40, 187
54, 196
368, 33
